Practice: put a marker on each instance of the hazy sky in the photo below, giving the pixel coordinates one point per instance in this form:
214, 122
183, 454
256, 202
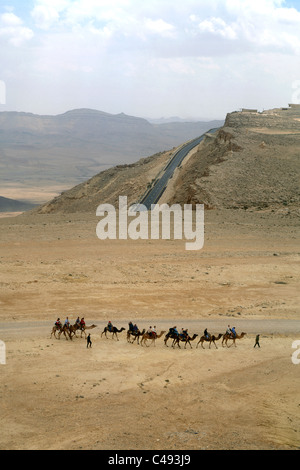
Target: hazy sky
150, 58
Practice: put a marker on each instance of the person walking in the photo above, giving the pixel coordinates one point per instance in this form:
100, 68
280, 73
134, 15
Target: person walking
257, 341
89, 341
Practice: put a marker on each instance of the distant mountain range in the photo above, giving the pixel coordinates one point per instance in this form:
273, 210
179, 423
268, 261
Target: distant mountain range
11, 205
71, 147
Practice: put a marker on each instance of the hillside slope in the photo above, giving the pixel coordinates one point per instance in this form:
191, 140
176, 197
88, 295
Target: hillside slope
106, 187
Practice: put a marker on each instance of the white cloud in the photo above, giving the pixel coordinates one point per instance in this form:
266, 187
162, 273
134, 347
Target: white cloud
44, 16
287, 15
160, 27
253, 24
218, 26
68, 13
10, 19
12, 29
250, 23
246, 7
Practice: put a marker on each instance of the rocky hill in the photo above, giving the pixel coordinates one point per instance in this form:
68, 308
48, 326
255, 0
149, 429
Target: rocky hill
251, 163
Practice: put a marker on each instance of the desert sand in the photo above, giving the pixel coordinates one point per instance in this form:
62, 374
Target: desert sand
57, 394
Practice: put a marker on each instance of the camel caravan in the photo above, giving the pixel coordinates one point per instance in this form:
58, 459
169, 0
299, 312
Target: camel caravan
146, 338
134, 333
69, 330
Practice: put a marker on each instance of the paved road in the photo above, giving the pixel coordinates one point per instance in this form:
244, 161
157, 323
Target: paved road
155, 193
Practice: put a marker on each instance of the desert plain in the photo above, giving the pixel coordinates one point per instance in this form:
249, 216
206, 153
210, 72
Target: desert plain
59, 394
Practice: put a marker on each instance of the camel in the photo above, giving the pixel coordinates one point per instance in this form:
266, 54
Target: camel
151, 336
61, 329
114, 332
170, 335
74, 328
211, 339
184, 338
66, 331
136, 335
228, 336
54, 330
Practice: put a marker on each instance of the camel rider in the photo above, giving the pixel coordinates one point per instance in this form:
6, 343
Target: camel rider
174, 331
77, 321
233, 331
109, 326
67, 323
135, 328
82, 323
184, 333
154, 332
58, 323
206, 334
151, 332
228, 331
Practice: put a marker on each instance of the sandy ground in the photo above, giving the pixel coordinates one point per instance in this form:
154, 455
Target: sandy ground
57, 394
